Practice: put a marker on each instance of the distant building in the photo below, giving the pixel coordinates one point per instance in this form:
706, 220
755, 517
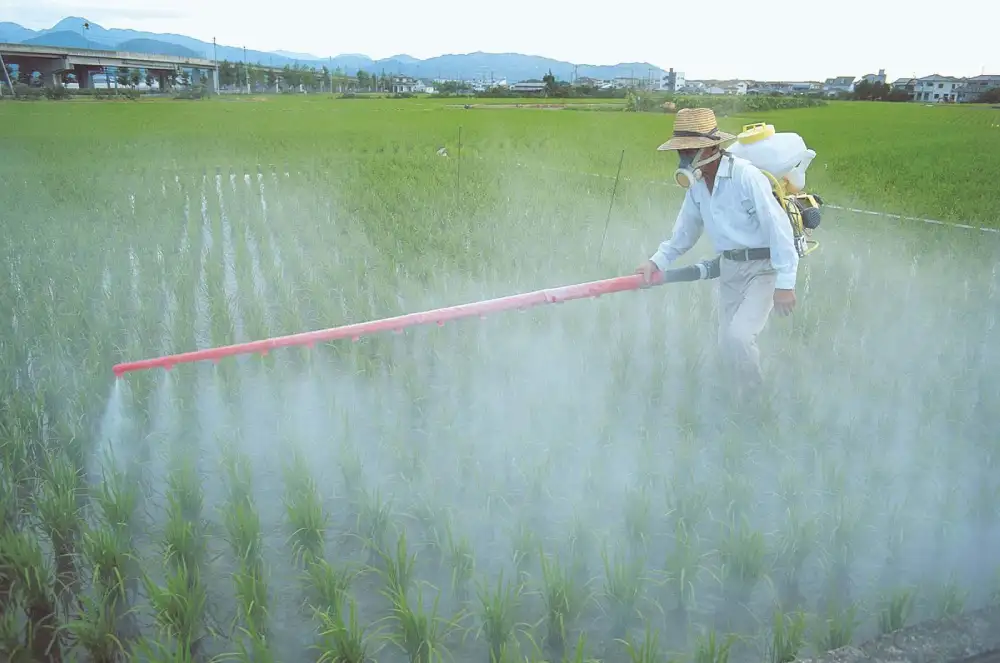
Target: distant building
671, 81
875, 78
907, 85
628, 82
839, 85
528, 86
735, 87
405, 84
937, 88
975, 86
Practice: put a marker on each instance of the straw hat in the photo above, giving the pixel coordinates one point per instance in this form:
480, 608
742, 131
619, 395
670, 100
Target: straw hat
695, 128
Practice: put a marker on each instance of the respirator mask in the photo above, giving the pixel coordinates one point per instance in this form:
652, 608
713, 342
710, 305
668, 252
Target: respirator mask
689, 169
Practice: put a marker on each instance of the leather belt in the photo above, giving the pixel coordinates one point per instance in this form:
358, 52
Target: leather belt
742, 255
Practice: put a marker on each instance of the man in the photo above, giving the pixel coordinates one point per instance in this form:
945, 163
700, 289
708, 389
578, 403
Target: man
732, 201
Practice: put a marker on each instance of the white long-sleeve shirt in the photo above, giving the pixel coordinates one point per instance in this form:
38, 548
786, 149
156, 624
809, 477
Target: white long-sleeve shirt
740, 213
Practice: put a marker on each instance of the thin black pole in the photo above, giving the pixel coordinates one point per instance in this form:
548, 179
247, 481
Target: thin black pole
611, 204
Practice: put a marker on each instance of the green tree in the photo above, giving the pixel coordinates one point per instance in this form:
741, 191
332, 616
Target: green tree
227, 74
991, 96
550, 83
868, 91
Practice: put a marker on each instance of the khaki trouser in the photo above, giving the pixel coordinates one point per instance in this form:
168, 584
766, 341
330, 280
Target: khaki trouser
746, 298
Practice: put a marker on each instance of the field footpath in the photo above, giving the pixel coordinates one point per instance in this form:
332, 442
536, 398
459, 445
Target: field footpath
972, 636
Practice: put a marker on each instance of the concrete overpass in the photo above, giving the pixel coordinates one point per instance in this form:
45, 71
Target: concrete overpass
53, 62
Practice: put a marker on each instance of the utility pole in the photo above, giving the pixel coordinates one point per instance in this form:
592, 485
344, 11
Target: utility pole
6, 75
246, 72
215, 58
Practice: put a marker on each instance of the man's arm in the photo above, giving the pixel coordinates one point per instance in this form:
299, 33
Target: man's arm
774, 220
687, 230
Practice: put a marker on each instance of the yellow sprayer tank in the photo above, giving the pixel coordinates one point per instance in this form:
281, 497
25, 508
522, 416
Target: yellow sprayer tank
784, 154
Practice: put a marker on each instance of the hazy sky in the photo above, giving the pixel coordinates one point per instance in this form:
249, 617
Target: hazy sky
803, 40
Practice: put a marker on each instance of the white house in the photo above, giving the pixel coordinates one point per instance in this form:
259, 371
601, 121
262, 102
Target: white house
834, 86
404, 84
738, 87
528, 86
875, 78
671, 81
937, 88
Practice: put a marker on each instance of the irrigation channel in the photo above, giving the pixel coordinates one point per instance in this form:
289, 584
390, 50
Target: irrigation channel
421, 478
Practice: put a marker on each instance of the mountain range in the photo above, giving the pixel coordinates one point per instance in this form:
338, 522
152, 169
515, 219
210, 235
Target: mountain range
70, 32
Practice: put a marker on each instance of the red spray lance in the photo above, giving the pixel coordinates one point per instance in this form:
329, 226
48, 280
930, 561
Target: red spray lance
707, 269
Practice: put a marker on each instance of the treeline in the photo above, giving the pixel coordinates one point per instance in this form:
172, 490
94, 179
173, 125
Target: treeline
869, 91
722, 104
323, 79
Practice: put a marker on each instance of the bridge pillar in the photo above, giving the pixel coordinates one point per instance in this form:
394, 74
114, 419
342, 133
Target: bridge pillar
213, 80
163, 80
83, 79
52, 71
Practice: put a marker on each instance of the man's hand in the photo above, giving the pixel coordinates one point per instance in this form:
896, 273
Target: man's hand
784, 301
647, 269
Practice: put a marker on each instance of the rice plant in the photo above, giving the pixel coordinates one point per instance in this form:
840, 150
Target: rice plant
419, 633
788, 634
328, 585
59, 511
112, 559
524, 541
564, 600
681, 570
398, 569
343, 640
637, 517
23, 564
648, 651
117, 498
462, 561
796, 544
708, 649
623, 591
374, 517
949, 599
179, 607
894, 615
498, 615
307, 521
95, 628
744, 563
836, 630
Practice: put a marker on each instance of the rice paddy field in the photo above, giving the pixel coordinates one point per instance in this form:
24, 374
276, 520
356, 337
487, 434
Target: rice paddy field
567, 483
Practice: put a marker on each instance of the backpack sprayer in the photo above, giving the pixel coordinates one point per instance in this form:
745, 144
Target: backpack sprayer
783, 157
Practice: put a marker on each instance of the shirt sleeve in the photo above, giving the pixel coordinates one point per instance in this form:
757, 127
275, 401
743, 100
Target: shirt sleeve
775, 222
687, 230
